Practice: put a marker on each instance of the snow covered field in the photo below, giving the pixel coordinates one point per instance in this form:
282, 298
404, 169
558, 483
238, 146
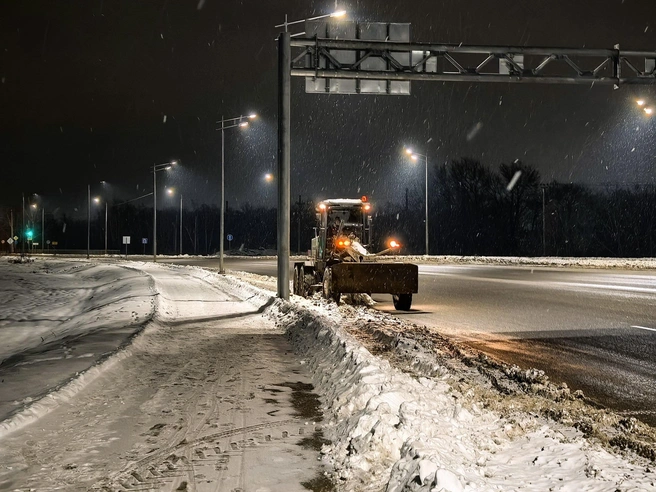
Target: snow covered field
185, 402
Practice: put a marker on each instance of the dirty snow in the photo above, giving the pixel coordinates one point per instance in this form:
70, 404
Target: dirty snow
403, 409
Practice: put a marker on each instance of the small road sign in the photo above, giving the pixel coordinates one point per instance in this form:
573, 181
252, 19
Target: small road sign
126, 239
144, 240
229, 237
10, 241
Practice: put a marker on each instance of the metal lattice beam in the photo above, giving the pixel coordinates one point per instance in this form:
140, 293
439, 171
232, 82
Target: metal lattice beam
443, 62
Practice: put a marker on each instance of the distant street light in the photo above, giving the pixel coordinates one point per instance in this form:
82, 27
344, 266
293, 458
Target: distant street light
171, 192
97, 201
337, 13
268, 177
646, 108
242, 122
156, 168
415, 156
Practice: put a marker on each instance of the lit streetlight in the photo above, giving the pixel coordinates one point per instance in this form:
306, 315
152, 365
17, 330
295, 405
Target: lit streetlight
227, 123
415, 157
649, 110
156, 168
171, 192
268, 177
97, 201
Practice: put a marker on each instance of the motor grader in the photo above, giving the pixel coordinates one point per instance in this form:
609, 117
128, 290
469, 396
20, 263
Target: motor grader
340, 262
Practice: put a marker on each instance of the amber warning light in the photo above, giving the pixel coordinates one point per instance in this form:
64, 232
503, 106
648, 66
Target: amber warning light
342, 242
394, 244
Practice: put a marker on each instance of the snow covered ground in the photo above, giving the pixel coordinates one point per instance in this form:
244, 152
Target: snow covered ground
403, 408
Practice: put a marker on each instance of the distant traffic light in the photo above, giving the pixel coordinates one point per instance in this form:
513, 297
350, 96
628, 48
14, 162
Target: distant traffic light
29, 234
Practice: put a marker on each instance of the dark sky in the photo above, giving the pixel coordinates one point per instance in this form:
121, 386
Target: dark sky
101, 90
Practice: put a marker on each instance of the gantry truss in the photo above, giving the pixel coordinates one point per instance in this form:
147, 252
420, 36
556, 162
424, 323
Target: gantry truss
400, 61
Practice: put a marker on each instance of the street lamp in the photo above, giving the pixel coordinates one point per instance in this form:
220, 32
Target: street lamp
337, 13
171, 192
97, 201
643, 104
156, 168
415, 157
34, 206
226, 123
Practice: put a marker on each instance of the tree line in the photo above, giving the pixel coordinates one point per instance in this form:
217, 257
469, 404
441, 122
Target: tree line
472, 210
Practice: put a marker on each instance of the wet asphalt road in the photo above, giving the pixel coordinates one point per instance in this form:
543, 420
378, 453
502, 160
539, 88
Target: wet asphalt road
593, 329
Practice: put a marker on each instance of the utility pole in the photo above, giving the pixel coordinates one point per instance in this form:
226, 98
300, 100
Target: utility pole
105, 226
11, 227
23, 234
180, 224
43, 229
300, 204
88, 219
544, 241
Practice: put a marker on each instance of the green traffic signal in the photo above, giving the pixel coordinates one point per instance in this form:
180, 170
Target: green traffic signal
29, 234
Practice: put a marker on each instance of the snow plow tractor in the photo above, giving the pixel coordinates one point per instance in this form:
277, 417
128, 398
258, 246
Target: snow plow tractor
340, 261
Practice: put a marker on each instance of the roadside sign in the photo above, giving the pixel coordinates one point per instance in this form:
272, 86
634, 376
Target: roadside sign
15, 238
10, 241
35, 244
229, 237
55, 243
144, 240
48, 241
126, 239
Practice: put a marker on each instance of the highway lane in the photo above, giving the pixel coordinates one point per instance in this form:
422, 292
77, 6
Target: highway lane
593, 329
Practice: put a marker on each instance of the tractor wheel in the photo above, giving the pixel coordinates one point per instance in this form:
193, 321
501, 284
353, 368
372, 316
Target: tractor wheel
297, 281
302, 285
328, 292
402, 302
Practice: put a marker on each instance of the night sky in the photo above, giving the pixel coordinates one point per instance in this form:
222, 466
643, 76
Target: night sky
101, 90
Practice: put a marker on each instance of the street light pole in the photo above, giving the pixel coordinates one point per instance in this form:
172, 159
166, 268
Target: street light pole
88, 219
43, 219
105, 226
222, 219
23, 233
239, 121
157, 167
414, 156
154, 214
180, 224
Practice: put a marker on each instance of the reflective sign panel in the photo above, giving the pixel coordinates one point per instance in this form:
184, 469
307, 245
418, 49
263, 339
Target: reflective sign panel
370, 31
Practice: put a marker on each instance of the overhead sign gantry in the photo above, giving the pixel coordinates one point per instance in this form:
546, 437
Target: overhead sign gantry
377, 58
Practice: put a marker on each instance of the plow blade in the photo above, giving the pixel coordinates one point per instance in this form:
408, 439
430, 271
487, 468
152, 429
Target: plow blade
379, 278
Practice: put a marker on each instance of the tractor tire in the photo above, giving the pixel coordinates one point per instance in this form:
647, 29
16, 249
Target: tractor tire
297, 281
302, 284
402, 302
328, 292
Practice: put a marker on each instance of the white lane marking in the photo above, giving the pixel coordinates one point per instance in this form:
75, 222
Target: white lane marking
643, 328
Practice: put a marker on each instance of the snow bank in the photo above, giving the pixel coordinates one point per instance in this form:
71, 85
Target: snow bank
391, 430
